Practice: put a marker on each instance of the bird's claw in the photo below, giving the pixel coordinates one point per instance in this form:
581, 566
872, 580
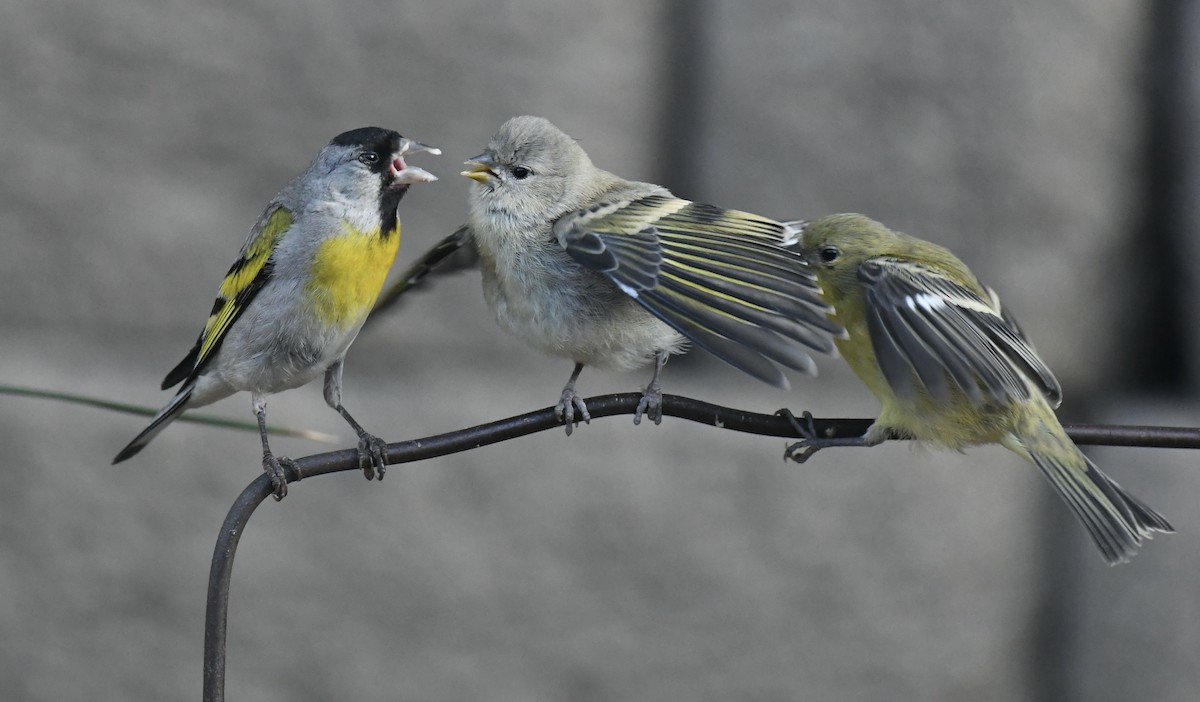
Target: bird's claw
276, 469
372, 456
650, 404
809, 443
565, 409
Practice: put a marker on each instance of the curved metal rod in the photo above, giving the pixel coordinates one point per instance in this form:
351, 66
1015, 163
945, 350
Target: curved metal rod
216, 616
219, 574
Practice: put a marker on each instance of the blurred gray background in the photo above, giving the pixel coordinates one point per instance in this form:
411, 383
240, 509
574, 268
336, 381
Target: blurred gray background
1049, 142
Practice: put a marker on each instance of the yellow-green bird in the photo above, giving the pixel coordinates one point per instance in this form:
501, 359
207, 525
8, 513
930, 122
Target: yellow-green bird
951, 367
608, 272
297, 295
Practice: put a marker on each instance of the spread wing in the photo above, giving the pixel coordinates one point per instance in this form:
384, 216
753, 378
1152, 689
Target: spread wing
248, 274
719, 277
932, 332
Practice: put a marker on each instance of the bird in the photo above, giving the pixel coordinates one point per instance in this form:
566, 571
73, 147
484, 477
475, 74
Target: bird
296, 296
951, 367
614, 273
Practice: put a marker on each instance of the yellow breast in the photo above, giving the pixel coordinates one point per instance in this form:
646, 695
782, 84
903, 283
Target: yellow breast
348, 273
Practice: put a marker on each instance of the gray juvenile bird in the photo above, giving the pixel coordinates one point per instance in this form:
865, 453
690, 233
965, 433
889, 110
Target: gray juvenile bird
609, 272
296, 297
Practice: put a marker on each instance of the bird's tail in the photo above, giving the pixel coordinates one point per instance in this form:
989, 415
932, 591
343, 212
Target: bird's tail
1116, 520
165, 416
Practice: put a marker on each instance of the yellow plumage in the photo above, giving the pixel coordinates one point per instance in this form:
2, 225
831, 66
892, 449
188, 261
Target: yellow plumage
243, 272
348, 273
950, 366
293, 301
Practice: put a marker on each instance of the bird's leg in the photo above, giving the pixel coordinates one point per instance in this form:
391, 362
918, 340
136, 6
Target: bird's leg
570, 401
651, 402
804, 449
272, 465
372, 450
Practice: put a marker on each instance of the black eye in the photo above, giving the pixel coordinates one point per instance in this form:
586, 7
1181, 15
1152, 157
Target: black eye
369, 157
521, 172
829, 254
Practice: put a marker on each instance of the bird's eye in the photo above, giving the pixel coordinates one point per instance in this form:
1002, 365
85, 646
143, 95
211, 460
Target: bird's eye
521, 172
829, 254
369, 157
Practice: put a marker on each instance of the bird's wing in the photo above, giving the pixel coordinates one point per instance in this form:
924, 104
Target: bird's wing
929, 330
453, 254
719, 277
248, 274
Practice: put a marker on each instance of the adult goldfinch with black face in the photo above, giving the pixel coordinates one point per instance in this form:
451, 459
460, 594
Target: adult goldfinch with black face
951, 367
604, 271
297, 295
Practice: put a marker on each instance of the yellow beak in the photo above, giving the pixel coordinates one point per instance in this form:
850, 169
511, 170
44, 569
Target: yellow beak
479, 171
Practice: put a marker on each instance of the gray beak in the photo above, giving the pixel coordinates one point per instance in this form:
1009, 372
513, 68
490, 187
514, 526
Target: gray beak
406, 174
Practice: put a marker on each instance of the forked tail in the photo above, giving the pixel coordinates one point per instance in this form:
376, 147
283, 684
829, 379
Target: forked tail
1116, 520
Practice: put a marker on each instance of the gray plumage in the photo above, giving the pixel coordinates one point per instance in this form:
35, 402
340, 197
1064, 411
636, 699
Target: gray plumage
922, 321
283, 316
609, 272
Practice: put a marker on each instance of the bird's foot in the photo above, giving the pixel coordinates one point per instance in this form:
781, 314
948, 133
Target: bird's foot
650, 404
276, 470
811, 442
372, 456
566, 407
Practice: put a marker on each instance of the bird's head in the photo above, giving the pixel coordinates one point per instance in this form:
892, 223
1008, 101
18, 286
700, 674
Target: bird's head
530, 170
364, 170
843, 241
372, 154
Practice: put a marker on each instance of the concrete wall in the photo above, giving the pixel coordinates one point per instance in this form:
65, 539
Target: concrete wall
140, 142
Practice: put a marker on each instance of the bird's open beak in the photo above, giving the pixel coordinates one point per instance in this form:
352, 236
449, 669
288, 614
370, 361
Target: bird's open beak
404, 174
480, 168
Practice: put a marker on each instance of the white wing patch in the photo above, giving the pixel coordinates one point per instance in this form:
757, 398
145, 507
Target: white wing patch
926, 301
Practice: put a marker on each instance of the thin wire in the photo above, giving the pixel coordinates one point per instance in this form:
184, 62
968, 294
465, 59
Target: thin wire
193, 417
